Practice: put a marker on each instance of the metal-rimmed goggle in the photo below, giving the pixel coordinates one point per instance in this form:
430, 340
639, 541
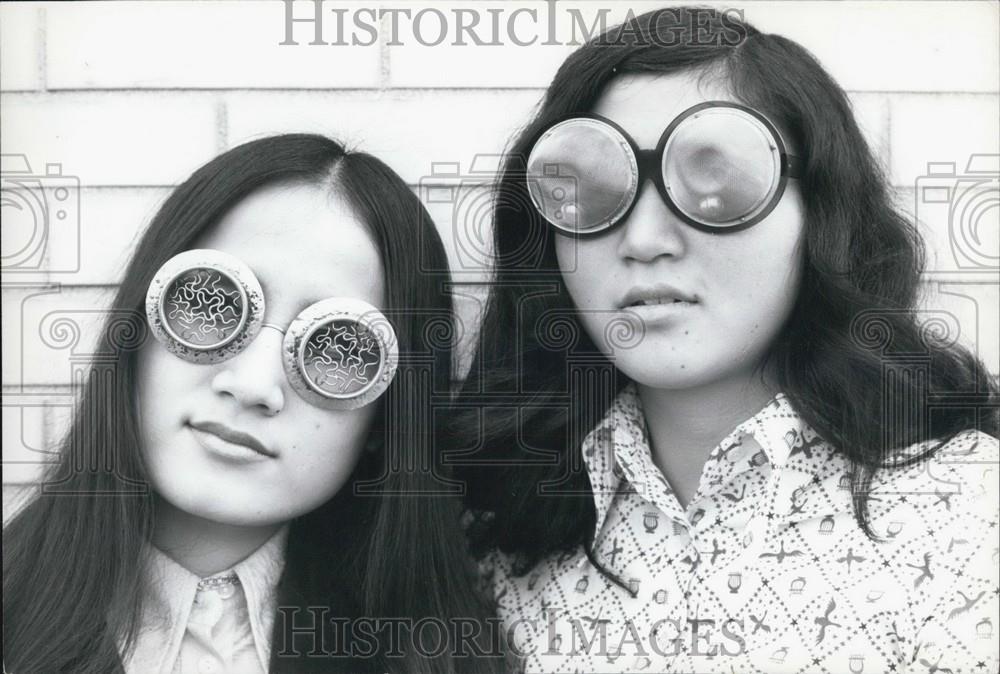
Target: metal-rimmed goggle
719, 166
206, 306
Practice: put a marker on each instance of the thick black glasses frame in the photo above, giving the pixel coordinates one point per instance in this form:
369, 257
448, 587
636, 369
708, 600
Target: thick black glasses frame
649, 164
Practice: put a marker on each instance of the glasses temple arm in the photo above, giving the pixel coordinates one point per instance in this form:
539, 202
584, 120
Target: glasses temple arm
793, 166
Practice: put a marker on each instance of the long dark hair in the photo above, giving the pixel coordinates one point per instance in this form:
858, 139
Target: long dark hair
527, 489
72, 558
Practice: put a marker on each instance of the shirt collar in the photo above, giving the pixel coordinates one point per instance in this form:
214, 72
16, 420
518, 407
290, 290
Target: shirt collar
623, 426
618, 457
170, 592
259, 574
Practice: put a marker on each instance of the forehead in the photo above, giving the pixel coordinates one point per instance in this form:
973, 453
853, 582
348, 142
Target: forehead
644, 104
303, 243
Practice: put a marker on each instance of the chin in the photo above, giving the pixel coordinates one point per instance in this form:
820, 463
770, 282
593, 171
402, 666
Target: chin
238, 515
215, 505
667, 380
673, 373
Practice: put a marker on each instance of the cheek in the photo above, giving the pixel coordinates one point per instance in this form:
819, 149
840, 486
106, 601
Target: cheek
584, 264
161, 376
760, 275
324, 448
163, 384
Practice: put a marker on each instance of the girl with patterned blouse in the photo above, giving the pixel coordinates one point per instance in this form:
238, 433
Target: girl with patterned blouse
706, 429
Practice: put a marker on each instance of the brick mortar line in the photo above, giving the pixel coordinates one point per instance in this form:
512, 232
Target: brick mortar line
925, 278
333, 89
36, 389
384, 54
221, 124
888, 136
41, 60
382, 88
413, 186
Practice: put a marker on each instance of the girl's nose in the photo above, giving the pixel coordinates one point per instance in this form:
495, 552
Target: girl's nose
651, 230
255, 377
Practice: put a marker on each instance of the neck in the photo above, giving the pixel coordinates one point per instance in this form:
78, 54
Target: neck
202, 546
686, 424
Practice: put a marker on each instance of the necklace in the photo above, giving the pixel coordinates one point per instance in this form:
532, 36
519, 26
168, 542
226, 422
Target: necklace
218, 582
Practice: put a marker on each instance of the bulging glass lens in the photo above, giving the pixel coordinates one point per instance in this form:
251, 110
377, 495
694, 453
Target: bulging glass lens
582, 175
721, 167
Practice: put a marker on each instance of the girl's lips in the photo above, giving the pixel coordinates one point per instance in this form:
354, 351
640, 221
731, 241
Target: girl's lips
213, 432
656, 295
650, 314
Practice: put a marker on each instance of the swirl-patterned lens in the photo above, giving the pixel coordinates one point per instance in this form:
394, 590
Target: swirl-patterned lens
340, 353
204, 308
204, 305
342, 358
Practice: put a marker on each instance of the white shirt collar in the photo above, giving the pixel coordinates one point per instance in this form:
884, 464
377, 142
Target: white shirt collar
170, 593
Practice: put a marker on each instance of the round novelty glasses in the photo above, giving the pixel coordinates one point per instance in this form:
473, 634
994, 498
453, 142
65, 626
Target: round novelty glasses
719, 167
206, 306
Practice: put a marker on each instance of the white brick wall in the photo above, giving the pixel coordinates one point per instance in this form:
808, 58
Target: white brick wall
21, 55
408, 129
130, 97
940, 128
192, 45
114, 138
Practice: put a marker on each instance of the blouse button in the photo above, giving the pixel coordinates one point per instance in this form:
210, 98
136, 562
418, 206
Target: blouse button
226, 591
206, 665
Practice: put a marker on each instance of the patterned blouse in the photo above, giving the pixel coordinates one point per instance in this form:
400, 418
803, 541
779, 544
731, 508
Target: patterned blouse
766, 570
